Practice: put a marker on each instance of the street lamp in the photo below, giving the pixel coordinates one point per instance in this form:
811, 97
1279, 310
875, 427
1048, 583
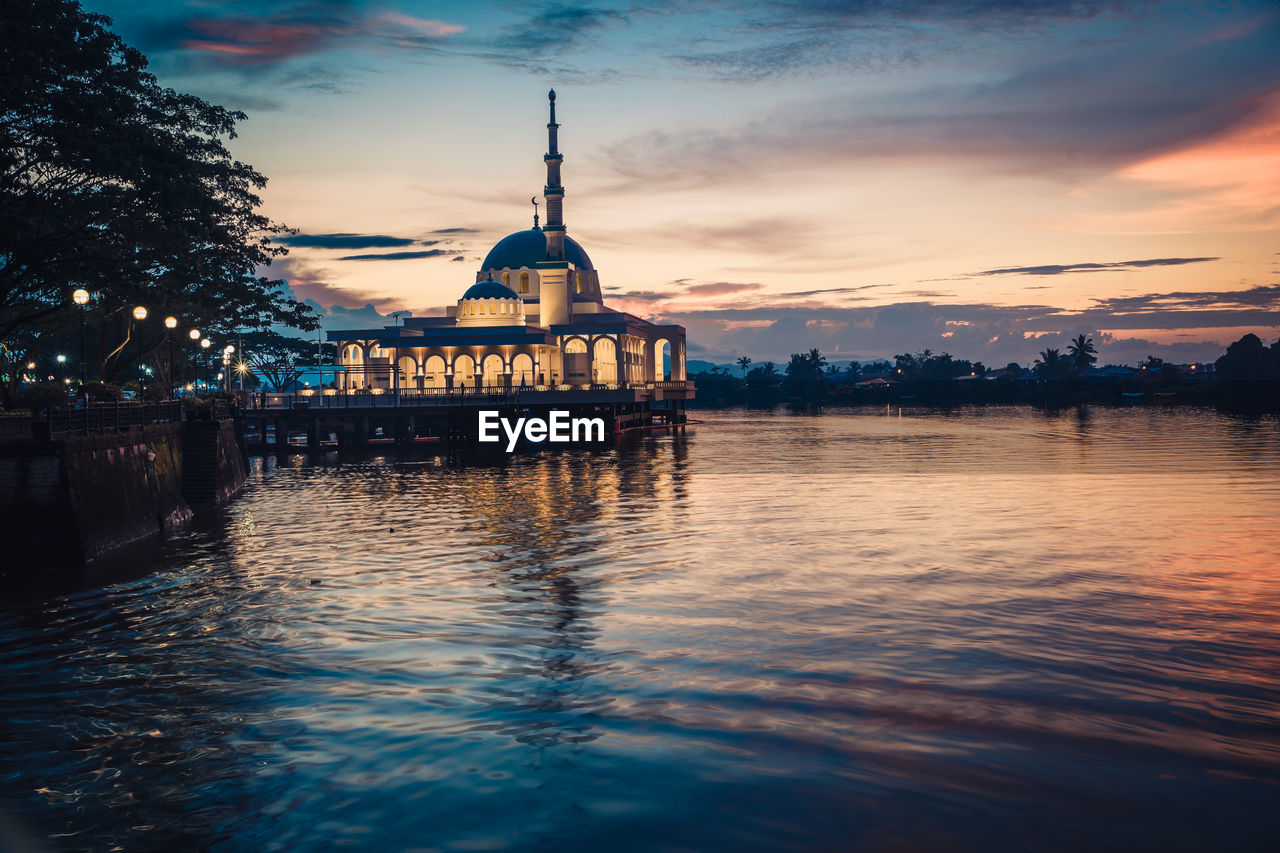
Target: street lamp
205, 343
194, 334
139, 313
170, 323
226, 365
81, 298
62, 361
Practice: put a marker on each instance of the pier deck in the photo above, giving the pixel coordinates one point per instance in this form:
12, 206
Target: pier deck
329, 419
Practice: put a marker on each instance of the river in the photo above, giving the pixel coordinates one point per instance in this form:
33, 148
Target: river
867, 629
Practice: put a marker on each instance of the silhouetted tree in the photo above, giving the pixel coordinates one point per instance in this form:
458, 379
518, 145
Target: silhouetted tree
112, 183
1051, 365
743, 363
762, 377
1082, 353
1248, 359
1158, 368
279, 359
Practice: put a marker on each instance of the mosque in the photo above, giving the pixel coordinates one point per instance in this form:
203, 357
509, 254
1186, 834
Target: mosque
534, 319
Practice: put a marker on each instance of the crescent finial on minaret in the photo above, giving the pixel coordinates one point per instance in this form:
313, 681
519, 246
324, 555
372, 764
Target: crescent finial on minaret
534, 201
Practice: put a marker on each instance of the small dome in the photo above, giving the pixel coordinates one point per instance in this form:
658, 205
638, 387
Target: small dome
527, 248
489, 289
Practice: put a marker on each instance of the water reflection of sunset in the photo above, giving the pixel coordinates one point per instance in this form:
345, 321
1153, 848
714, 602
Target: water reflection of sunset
955, 629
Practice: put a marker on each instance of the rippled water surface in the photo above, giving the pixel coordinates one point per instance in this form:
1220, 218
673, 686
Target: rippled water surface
973, 630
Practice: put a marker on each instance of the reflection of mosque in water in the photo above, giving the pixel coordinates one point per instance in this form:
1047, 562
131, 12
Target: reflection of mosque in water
552, 575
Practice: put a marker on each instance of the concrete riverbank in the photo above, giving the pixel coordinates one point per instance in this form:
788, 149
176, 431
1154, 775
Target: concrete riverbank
66, 500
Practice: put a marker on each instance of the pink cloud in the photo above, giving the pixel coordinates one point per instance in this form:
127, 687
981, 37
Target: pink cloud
267, 40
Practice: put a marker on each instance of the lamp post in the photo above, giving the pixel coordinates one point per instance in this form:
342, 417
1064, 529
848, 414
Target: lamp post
170, 323
81, 298
205, 343
140, 314
226, 366
62, 368
194, 334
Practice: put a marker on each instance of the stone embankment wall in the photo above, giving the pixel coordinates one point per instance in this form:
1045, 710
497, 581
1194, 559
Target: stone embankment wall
67, 501
215, 462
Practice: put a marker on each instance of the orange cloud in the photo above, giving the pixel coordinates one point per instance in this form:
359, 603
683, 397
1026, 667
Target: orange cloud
1233, 179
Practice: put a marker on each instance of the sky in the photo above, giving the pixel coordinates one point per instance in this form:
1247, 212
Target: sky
982, 177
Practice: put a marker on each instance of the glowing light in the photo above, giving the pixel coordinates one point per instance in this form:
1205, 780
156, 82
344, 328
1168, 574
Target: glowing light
205, 343
62, 359
194, 334
139, 313
81, 296
170, 322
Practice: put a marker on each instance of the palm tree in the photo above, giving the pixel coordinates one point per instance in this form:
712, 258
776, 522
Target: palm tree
1081, 353
1050, 364
817, 361
744, 362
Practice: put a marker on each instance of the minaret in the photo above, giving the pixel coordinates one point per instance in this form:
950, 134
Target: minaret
554, 193
555, 296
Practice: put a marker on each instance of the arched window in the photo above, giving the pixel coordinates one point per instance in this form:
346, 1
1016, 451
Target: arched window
524, 282
506, 278
579, 282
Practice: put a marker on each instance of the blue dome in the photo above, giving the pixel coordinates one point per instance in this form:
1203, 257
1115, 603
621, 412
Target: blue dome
489, 289
526, 248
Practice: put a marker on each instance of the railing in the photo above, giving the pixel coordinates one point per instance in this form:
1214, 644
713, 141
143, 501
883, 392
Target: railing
380, 398
415, 397
366, 400
108, 417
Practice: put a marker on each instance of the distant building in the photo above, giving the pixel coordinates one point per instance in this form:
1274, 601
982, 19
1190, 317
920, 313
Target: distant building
1114, 373
534, 318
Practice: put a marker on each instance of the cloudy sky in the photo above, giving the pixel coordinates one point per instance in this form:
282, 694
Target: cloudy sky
985, 177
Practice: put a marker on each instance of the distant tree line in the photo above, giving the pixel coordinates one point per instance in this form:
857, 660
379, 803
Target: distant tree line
1248, 373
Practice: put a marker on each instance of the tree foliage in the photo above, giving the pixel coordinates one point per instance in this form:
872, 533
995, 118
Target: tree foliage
1249, 360
1051, 364
110, 182
279, 359
1082, 353
929, 365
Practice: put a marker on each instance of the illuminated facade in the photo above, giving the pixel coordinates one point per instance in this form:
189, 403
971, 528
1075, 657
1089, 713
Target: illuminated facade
534, 318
